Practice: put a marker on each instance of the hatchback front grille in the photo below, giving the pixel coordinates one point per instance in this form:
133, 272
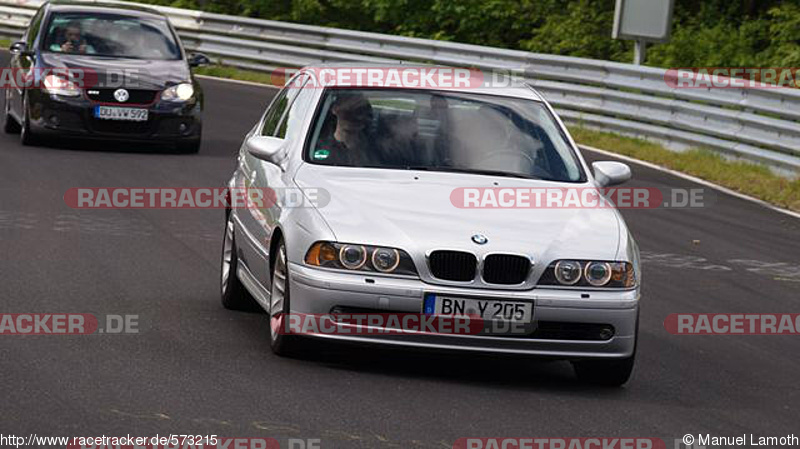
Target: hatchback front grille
505, 269
453, 265
136, 96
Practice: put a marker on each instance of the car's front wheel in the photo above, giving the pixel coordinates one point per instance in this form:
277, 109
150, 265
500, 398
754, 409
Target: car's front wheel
26, 136
281, 343
10, 126
234, 295
612, 373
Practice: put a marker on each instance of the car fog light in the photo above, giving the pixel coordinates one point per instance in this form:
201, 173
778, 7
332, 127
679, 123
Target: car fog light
353, 257
606, 333
385, 259
568, 272
598, 273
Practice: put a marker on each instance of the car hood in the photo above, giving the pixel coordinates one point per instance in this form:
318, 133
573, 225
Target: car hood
412, 210
138, 73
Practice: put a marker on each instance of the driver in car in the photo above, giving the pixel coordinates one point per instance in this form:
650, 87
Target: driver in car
73, 40
350, 143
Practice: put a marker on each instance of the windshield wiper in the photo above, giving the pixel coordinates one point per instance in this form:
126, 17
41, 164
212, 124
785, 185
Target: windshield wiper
476, 171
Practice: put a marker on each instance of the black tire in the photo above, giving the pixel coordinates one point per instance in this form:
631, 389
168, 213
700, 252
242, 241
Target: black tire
10, 126
610, 373
234, 295
281, 343
26, 136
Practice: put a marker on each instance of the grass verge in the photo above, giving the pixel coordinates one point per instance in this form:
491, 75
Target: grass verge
750, 179
222, 71
5, 43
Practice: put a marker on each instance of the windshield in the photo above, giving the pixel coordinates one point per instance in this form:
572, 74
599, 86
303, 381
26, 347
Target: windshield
441, 131
117, 36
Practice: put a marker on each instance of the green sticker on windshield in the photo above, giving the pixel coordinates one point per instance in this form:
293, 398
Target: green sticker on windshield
321, 154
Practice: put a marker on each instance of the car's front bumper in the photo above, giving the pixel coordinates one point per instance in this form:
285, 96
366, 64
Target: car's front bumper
54, 115
319, 291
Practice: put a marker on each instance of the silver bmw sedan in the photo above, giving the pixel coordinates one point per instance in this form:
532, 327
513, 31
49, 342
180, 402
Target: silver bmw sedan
353, 204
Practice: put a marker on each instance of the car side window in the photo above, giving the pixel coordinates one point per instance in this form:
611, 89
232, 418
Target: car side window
33, 28
293, 118
280, 105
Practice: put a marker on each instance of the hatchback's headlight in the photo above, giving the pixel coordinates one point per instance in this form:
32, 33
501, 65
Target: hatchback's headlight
357, 257
178, 92
589, 273
56, 85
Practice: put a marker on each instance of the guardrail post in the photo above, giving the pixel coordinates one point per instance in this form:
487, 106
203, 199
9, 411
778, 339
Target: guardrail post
639, 50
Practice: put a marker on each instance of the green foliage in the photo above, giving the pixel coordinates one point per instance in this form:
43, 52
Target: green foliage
705, 33
784, 33
583, 29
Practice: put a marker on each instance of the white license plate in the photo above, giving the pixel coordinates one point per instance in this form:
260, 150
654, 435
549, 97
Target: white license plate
114, 113
488, 309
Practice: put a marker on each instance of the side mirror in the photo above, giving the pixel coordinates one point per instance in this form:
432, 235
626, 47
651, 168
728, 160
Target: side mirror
266, 148
198, 59
19, 48
608, 173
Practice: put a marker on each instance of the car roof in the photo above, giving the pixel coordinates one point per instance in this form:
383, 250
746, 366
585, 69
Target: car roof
516, 90
108, 7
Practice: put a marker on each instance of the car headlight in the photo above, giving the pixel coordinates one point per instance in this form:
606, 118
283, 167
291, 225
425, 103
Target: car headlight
56, 85
357, 257
385, 260
589, 273
567, 272
597, 273
353, 257
178, 92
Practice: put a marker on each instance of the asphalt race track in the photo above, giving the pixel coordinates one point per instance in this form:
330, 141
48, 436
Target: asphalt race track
196, 368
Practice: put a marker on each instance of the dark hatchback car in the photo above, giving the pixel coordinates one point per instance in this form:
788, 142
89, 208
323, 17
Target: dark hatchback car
104, 71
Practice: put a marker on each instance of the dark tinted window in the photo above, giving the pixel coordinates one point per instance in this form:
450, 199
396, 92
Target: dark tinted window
114, 35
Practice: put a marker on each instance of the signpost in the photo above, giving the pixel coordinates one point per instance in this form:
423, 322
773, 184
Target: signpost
643, 21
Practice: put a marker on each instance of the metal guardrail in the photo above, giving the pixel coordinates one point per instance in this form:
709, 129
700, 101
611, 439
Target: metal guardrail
761, 125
